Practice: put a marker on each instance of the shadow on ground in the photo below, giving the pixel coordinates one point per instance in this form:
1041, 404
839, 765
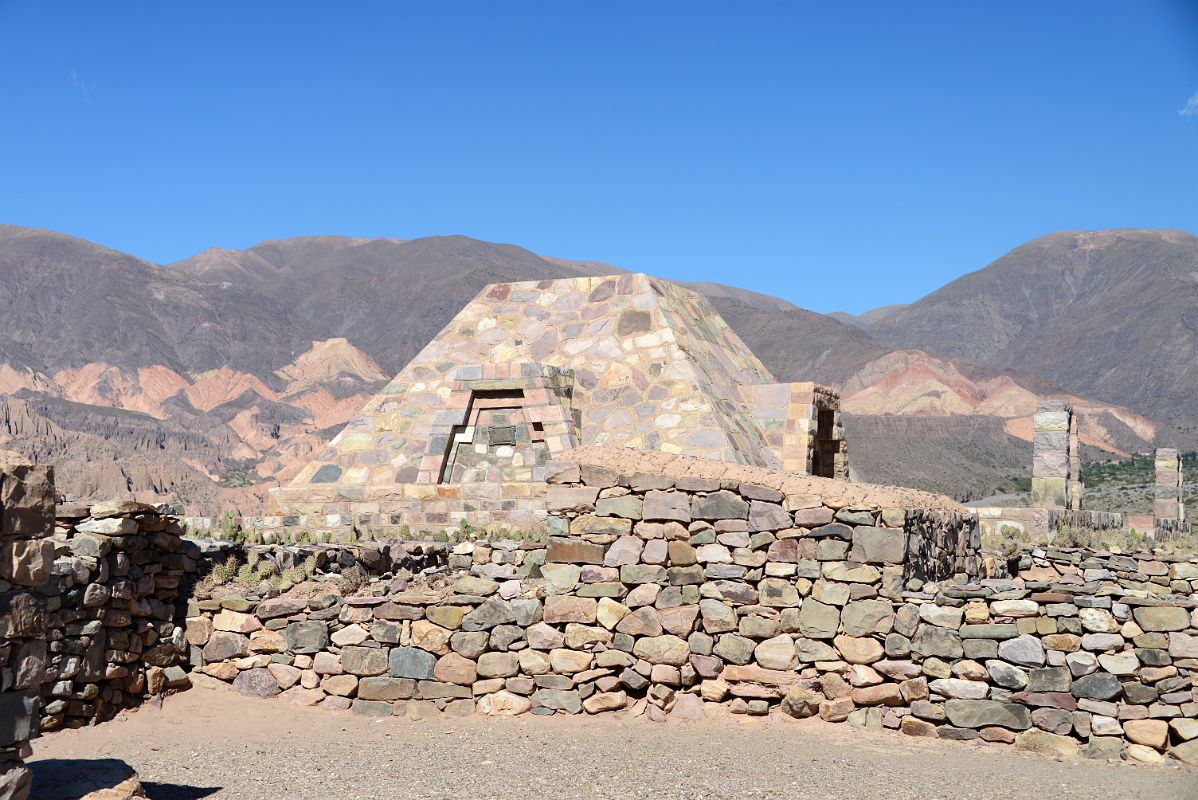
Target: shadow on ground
73, 778
177, 791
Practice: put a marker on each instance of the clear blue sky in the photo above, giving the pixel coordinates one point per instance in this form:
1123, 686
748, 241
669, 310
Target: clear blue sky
840, 155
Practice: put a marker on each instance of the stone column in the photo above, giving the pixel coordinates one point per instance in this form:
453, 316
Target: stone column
1076, 489
26, 558
1052, 455
1167, 503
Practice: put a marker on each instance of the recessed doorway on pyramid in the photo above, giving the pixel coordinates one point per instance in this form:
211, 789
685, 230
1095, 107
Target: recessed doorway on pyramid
529, 370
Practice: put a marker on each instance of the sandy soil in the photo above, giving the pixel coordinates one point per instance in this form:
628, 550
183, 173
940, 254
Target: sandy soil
211, 743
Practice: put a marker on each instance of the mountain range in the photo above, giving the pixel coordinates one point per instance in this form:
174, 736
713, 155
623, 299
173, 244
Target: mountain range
208, 380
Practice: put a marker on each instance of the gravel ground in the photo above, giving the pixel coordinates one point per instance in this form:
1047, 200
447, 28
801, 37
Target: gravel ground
209, 743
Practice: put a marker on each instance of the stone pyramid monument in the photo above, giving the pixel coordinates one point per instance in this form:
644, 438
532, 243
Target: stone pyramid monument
529, 370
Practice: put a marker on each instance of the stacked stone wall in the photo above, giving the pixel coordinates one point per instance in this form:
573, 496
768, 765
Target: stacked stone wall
426, 521
360, 560
1047, 522
115, 600
1142, 574
26, 553
1078, 658
665, 596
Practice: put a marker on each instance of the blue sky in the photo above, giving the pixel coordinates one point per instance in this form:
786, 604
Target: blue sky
840, 155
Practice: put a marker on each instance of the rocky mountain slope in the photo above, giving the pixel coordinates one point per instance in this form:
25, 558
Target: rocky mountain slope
209, 379
1111, 315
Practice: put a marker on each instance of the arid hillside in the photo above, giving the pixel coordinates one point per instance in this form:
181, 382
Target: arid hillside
1111, 315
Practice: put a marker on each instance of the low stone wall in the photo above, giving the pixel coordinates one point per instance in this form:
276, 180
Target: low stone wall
1055, 666
1047, 522
115, 602
26, 553
1166, 530
660, 596
346, 528
802, 529
298, 562
1141, 575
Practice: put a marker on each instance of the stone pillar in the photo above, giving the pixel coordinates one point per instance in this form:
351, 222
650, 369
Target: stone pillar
1076, 488
1056, 464
1167, 503
26, 558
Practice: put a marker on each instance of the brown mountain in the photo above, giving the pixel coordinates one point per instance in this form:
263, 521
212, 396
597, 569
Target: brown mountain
799, 345
210, 379
388, 297
1112, 315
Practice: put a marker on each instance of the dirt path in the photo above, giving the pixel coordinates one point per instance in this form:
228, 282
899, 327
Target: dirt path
207, 743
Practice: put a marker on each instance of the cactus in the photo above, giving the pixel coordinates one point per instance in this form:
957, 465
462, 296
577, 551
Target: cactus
227, 525
223, 573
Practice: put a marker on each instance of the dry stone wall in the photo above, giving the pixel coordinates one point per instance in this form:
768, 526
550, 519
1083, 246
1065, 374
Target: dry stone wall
1047, 524
674, 596
1067, 662
349, 528
115, 606
669, 595
26, 553
1142, 575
